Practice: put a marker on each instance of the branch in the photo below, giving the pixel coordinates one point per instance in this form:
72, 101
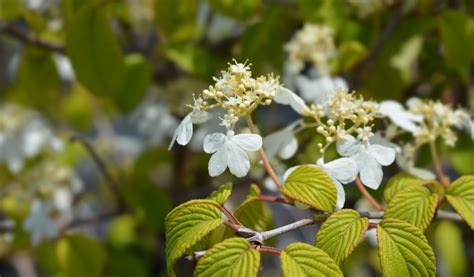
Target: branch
366, 194
283, 229
9, 29
271, 198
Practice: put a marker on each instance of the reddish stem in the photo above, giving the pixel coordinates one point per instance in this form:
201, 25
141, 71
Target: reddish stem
269, 168
268, 249
372, 225
270, 198
367, 195
229, 215
232, 226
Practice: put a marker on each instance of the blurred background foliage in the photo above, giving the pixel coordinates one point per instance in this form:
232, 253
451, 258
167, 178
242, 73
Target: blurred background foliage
91, 67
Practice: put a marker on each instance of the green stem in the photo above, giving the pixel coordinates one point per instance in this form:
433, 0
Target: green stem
437, 164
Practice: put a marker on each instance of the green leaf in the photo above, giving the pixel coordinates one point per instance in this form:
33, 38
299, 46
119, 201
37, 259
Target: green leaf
176, 19
400, 182
240, 9
404, 250
457, 35
11, 9
460, 194
253, 213
80, 255
95, 52
186, 225
328, 12
232, 257
450, 245
222, 193
135, 85
348, 55
301, 259
415, 205
310, 185
341, 233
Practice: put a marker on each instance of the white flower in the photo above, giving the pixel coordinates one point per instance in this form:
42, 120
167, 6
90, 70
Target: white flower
285, 96
184, 132
399, 116
229, 151
282, 143
369, 159
38, 224
342, 170
319, 90
406, 161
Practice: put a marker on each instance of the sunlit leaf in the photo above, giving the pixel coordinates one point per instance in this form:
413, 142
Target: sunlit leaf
400, 182
222, 193
460, 194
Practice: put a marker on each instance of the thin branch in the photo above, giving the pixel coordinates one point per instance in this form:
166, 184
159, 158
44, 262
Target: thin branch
440, 214
229, 215
9, 29
366, 194
100, 165
284, 229
271, 198
268, 249
437, 164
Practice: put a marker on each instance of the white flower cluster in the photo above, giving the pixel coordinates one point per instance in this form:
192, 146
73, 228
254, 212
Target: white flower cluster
313, 44
438, 121
51, 189
23, 134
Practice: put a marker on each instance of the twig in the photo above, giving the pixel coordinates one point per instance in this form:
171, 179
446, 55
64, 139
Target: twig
10, 30
100, 165
229, 215
448, 215
366, 194
268, 249
437, 165
271, 198
283, 229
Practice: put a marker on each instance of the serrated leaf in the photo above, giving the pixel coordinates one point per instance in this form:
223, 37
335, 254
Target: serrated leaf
232, 257
415, 205
301, 259
341, 233
222, 193
94, 52
399, 182
460, 194
310, 185
404, 250
186, 225
79, 255
253, 213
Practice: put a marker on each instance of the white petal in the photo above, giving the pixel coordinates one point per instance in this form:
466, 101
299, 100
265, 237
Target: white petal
341, 195
371, 173
384, 155
184, 132
340, 83
199, 117
347, 146
422, 173
342, 169
285, 96
218, 163
289, 148
249, 142
237, 159
388, 107
214, 142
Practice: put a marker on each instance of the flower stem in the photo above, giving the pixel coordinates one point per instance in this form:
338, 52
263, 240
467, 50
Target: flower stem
229, 215
366, 194
263, 156
271, 198
437, 164
268, 249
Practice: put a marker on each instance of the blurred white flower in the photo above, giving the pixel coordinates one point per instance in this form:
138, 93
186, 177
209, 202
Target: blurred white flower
399, 116
23, 134
156, 123
369, 158
38, 224
229, 151
282, 143
406, 161
319, 90
285, 96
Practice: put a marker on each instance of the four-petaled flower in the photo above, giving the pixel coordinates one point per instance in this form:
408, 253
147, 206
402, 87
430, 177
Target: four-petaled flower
229, 151
369, 158
282, 143
184, 132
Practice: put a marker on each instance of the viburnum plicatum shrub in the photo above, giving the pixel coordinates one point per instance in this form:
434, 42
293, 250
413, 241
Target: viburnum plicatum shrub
367, 136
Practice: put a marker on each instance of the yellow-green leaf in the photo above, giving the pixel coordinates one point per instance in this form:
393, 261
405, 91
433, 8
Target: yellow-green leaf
232, 257
222, 193
400, 182
253, 213
94, 52
404, 250
310, 185
186, 225
341, 233
450, 249
301, 259
79, 255
460, 194
415, 205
